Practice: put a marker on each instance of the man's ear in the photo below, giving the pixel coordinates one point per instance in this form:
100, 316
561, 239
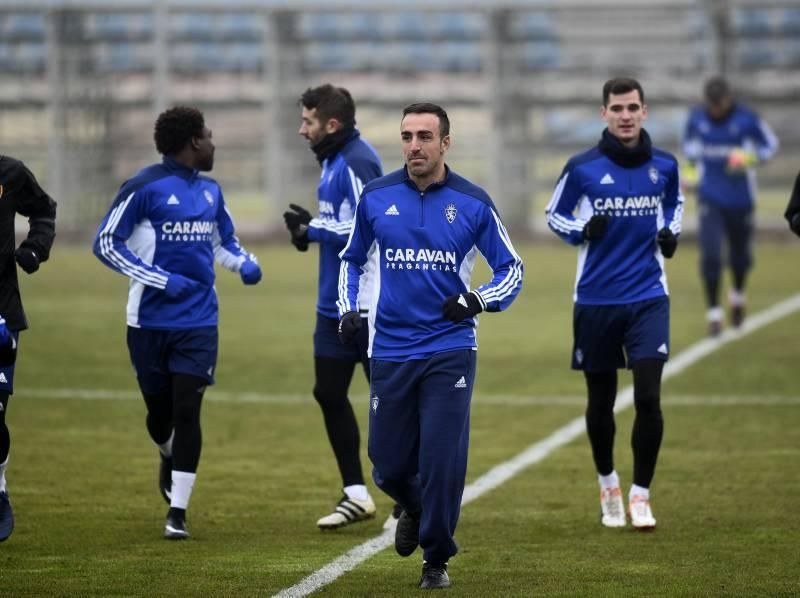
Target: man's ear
445, 143
332, 125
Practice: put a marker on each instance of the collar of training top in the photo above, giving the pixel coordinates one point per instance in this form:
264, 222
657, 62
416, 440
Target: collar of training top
627, 157
179, 167
333, 142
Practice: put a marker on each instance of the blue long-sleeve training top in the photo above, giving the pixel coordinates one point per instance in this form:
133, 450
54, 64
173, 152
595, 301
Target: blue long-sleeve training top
343, 177
625, 265
426, 244
169, 219
708, 143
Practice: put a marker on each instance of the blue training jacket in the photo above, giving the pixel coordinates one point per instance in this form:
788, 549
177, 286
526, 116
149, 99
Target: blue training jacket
426, 244
625, 265
169, 219
708, 143
342, 180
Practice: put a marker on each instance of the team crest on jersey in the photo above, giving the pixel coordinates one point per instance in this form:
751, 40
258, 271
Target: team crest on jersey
209, 197
450, 212
653, 174
374, 403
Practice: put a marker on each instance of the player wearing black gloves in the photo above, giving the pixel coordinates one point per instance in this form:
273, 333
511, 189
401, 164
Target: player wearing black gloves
21, 194
348, 163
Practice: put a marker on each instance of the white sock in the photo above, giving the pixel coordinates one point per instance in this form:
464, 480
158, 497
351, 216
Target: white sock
715, 314
182, 484
3, 475
639, 491
608, 481
166, 447
357, 491
736, 298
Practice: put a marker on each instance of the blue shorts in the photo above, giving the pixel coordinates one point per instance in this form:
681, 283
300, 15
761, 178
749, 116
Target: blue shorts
157, 355
327, 343
7, 372
605, 334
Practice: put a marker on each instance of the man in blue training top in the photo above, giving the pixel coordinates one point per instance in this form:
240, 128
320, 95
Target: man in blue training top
428, 226
166, 227
348, 163
20, 194
621, 204
724, 140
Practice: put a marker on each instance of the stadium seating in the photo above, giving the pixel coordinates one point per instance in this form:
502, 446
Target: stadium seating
22, 26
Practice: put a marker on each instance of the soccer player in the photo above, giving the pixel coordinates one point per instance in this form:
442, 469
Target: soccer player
20, 193
621, 205
428, 225
348, 163
725, 140
166, 227
793, 209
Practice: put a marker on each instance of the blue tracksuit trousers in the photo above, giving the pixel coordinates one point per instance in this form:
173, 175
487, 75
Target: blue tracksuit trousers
419, 439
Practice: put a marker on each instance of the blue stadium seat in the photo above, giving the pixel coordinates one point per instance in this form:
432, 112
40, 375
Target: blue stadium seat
698, 24
533, 26
790, 21
406, 25
6, 57
540, 55
23, 26
193, 58
410, 57
241, 26
320, 26
122, 58
119, 26
792, 52
757, 54
751, 21
195, 26
245, 57
365, 25
461, 57
458, 25
330, 56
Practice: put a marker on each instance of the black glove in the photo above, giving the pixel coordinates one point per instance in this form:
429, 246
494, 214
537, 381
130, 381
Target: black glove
297, 222
595, 228
297, 217
349, 326
795, 224
27, 259
667, 241
458, 308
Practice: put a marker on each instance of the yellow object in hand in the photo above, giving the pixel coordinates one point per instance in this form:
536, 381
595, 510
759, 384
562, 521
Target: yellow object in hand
740, 160
689, 176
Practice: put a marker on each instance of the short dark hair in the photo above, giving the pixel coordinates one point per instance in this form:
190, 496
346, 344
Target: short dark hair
620, 85
176, 127
429, 108
716, 90
330, 102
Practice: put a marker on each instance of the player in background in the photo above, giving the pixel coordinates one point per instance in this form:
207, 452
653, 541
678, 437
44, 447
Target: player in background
724, 140
792, 213
164, 231
620, 203
21, 194
348, 163
429, 225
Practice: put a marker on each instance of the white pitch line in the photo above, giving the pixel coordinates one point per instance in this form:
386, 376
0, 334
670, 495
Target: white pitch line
101, 394
535, 453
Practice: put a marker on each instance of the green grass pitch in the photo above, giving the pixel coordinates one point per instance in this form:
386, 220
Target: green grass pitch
83, 473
